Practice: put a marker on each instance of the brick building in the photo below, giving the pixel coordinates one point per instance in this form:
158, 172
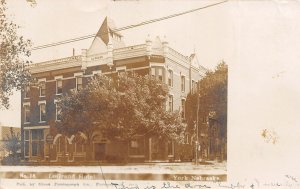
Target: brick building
106, 55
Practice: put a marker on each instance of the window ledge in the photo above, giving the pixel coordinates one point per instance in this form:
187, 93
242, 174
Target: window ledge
58, 94
42, 96
42, 122
26, 123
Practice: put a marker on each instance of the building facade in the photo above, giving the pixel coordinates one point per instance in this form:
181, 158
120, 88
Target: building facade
107, 55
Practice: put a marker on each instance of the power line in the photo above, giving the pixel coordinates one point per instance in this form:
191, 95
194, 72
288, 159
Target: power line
125, 27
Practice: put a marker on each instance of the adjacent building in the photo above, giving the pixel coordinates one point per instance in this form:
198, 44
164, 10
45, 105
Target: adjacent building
107, 55
9, 135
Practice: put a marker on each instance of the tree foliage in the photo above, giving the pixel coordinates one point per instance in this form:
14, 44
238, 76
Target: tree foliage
211, 97
13, 51
121, 108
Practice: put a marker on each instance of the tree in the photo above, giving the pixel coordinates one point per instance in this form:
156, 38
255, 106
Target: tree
13, 51
120, 108
211, 97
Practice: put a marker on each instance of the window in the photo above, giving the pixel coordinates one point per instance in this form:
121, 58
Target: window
170, 148
26, 113
153, 71
155, 145
58, 86
42, 88
157, 72
171, 103
136, 146
79, 144
61, 144
42, 112
170, 78
183, 83
26, 92
58, 112
160, 74
26, 141
186, 138
37, 142
78, 83
183, 108
121, 72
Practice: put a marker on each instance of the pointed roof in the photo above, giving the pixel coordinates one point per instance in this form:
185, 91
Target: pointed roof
107, 29
157, 44
106, 34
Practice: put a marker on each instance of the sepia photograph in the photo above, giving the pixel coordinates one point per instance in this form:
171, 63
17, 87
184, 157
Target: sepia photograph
140, 94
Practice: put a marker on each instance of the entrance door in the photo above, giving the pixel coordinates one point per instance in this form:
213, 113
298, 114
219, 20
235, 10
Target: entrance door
99, 151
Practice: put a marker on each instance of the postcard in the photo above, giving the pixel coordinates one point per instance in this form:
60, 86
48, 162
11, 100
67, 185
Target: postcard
149, 94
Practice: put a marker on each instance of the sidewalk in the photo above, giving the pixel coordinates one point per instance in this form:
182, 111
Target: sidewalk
155, 168
154, 171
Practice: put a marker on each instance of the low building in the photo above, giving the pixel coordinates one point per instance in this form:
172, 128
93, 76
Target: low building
107, 55
6, 133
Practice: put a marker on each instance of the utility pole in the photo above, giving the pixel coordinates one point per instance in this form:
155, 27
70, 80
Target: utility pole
197, 129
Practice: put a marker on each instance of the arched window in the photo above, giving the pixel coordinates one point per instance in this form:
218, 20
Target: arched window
79, 142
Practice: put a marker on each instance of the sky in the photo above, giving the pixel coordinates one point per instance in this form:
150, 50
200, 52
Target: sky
259, 40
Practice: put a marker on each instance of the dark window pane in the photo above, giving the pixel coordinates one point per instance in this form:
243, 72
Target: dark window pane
59, 86
43, 88
34, 148
26, 135
170, 148
137, 146
26, 148
43, 112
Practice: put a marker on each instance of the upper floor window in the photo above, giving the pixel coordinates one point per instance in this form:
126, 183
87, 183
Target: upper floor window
59, 86
58, 112
183, 83
78, 83
160, 73
183, 108
157, 72
42, 112
171, 103
26, 113
153, 71
27, 91
170, 78
42, 88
